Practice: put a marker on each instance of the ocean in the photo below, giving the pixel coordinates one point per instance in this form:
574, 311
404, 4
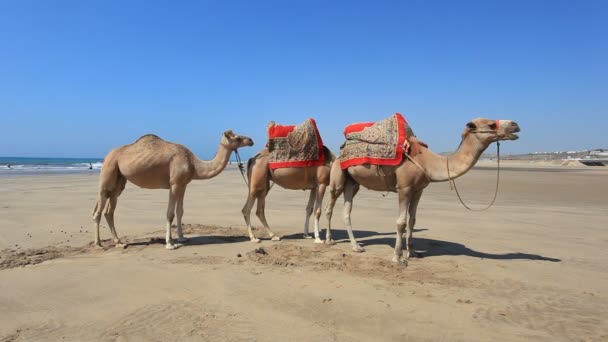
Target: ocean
33, 166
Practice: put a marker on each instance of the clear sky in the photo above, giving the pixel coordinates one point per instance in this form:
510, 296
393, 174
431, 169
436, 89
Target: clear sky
78, 78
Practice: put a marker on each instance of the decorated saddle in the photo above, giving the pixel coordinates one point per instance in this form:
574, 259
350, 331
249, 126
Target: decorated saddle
378, 143
295, 146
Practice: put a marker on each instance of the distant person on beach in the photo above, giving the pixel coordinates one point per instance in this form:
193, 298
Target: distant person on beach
9, 165
90, 166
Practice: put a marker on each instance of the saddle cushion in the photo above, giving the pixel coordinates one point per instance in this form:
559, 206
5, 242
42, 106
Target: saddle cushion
377, 143
295, 146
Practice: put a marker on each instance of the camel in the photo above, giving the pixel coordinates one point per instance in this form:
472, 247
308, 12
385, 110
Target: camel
154, 163
412, 176
315, 178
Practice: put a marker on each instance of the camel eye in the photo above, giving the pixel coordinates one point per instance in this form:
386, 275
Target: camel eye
493, 125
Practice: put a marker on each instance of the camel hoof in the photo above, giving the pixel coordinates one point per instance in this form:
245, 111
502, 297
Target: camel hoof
256, 240
358, 249
400, 260
182, 240
317, 240
171, 246
98, 246
276, 238
330, 242
306, 236
120, 245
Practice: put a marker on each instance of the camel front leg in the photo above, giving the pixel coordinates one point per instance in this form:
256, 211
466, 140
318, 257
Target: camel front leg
179, 211
309, 209
409, 242
320, 192
262, 216
404, 198
170, 216
350, 190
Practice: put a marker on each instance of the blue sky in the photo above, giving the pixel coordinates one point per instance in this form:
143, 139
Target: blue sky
78, 78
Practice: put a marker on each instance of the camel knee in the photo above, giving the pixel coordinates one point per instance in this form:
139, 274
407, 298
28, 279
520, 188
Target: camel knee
96, 216
170, 217
318, 212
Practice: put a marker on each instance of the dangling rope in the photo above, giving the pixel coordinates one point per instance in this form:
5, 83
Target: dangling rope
453, 183
241, 166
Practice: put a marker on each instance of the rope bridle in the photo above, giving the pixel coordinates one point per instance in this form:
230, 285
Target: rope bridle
453, 182
241, 166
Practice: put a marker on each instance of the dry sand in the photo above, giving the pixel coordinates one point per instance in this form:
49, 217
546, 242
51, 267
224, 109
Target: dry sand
532, 268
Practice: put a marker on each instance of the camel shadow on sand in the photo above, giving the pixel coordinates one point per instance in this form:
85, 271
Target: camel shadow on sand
192, 241
430, 247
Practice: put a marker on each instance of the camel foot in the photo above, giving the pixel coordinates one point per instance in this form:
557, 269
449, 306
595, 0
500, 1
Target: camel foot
172, 246
276, 238
306, 236
182, 240
255, 240
318, 240
358, 249
330, 242
98, 245
120, 245
400, 259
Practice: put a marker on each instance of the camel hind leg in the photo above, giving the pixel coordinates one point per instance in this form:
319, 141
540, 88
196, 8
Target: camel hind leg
108, 181
120, 186
319, 193
350, 190
247, 215
260, 213
102, 197
337, 180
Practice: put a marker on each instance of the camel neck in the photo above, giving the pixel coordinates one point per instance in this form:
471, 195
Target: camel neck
459, 163
205, 169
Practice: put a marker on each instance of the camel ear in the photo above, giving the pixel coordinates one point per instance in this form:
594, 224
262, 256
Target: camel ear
471, 125
228, 133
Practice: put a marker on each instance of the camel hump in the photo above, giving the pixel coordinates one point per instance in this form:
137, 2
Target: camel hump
149, 137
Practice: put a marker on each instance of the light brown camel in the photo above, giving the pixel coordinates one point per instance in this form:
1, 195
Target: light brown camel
154, 163
409, 179
315, 178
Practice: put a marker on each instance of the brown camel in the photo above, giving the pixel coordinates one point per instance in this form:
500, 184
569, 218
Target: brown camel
315, 178
410, 178
154, 163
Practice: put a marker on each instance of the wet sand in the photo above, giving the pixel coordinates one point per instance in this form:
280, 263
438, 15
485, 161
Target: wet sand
532, 268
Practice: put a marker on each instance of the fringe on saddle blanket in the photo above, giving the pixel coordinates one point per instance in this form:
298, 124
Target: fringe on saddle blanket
295, 146
378, 143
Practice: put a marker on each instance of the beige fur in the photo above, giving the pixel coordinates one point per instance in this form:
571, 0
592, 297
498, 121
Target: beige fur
409, 179
154, 163
315, 178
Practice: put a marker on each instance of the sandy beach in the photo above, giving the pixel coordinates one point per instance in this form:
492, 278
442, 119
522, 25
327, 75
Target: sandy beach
532, 268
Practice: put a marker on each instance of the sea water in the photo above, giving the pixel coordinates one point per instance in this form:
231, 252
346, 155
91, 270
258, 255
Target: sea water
23, 165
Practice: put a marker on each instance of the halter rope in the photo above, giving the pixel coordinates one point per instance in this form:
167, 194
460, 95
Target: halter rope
241, 166
453, 182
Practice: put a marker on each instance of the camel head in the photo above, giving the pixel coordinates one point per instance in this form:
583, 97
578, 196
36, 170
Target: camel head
489, 131
233, 141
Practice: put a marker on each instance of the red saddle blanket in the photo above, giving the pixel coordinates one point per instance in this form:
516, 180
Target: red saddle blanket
295, 146
377, 143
